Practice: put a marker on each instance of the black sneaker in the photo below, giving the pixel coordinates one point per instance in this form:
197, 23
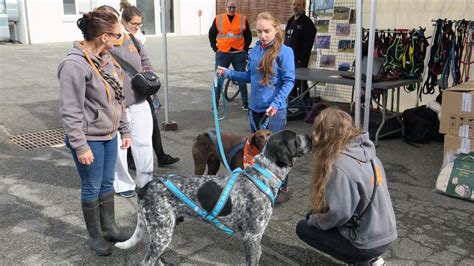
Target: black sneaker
128, 194
245, 106
167, 160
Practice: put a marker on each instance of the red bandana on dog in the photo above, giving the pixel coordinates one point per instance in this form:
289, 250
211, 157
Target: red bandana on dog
250, 150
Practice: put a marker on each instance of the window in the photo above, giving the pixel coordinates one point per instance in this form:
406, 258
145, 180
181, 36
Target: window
2, 6
76, 7
69, 7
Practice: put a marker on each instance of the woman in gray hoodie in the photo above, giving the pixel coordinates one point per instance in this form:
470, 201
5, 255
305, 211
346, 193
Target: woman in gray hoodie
92, 110
351, 215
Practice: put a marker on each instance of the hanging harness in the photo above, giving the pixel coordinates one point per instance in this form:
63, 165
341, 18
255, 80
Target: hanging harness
435, 60
466, 59
212, 216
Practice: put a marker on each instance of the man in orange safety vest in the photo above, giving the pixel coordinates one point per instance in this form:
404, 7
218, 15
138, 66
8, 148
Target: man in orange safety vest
230, 38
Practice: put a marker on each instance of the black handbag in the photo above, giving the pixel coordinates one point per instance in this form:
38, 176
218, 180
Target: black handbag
145, 83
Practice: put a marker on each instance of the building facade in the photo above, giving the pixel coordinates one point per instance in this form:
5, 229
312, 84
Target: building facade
43, 21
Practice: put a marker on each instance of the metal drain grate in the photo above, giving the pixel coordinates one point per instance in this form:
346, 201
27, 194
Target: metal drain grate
47, 138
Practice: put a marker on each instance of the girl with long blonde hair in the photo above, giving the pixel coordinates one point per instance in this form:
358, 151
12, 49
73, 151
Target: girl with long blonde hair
351, 217
271, 73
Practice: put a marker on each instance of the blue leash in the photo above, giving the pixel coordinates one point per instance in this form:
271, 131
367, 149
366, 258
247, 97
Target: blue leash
214, 101
216, 122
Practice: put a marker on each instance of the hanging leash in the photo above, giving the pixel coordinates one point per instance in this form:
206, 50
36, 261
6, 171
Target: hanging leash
214, 100
263, 124
216, 123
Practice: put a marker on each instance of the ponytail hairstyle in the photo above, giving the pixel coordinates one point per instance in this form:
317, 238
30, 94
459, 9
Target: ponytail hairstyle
333, 130
129, 11
95, 23
266, 64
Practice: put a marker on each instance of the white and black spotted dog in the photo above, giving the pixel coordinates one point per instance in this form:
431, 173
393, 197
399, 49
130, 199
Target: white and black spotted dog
247, 211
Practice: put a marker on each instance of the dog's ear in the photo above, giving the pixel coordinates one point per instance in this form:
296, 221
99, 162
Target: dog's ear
252, 138
285, 157
281, 148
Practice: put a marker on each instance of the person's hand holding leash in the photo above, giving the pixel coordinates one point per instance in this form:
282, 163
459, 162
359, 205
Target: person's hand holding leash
271, 111
126, 142
220, 71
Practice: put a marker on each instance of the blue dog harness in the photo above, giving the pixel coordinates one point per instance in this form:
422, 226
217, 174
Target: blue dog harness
212, 216
233, 151
260, 184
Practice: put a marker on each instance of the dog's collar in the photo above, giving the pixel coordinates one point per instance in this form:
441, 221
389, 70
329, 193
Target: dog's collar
267, 174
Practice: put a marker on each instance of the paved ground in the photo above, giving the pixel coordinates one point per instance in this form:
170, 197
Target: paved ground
41, 220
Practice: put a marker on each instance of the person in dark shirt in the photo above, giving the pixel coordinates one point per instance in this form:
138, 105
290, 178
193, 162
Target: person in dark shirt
299, 35
230, 38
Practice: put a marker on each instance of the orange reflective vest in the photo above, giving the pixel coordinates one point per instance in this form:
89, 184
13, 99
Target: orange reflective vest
230, 34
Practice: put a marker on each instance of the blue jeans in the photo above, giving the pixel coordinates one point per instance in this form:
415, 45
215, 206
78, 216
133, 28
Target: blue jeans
238, 61
274, 124
98, 177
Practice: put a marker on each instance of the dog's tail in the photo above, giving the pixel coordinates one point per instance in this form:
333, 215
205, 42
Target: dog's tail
137, 235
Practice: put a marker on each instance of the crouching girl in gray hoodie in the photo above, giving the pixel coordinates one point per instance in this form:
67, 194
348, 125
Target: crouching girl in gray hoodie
351, 216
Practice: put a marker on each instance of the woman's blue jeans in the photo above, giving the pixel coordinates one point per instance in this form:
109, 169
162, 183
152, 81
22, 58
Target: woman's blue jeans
98, 177
274, 124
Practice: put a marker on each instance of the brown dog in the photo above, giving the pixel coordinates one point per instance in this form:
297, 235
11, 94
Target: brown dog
205, 152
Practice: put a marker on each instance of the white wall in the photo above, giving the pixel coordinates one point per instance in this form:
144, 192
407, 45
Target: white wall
47, 22
187, 21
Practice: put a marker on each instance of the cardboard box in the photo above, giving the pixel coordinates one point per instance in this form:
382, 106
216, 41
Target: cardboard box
457, 111
453, 143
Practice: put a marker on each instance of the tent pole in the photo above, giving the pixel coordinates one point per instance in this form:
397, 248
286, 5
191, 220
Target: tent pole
370, 63
358, 51
167, 125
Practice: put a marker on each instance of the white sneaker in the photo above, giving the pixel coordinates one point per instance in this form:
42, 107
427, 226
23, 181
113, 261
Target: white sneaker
378, 262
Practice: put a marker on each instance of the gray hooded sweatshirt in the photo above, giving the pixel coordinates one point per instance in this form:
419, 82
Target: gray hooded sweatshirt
126, 50
348, 192
89, 110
